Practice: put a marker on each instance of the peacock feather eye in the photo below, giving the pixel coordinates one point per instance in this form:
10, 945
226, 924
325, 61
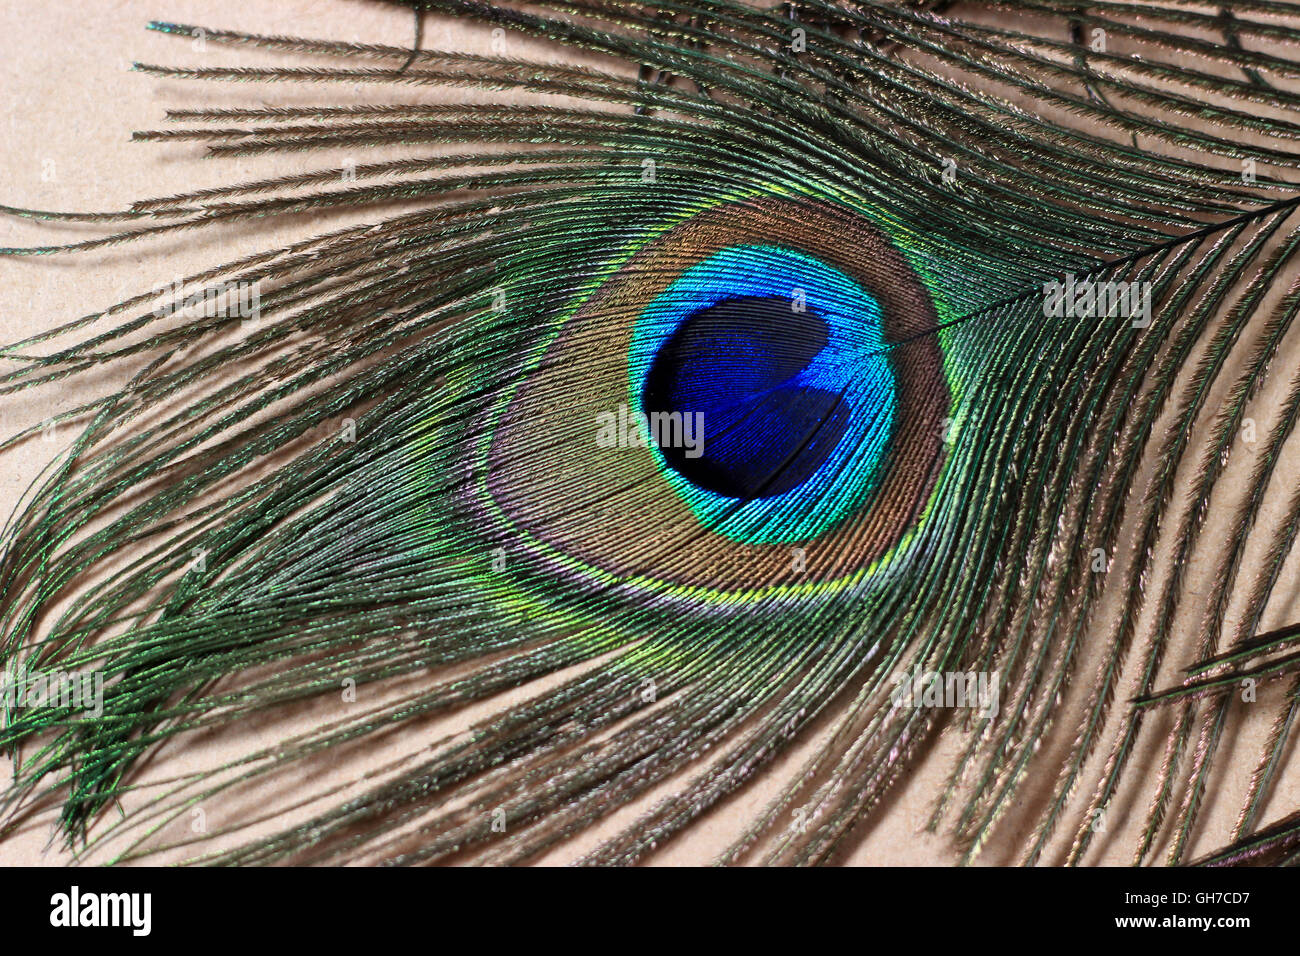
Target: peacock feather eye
757, 377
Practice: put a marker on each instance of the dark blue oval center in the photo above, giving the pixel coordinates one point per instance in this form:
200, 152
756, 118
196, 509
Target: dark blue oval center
757, 430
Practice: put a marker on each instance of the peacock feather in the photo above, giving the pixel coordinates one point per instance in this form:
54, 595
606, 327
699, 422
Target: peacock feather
698, 391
